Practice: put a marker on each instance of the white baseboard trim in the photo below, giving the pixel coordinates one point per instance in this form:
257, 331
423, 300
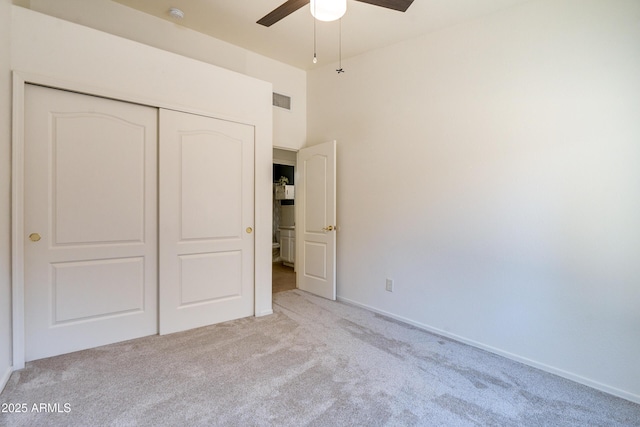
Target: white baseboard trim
544, 367
4, 379
264, 313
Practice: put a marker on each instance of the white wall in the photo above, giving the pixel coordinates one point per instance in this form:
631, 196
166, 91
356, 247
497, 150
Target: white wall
5, 193
289, 127
50, 51
493, 170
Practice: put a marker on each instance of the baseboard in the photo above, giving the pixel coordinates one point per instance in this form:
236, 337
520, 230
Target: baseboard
4, 379
264, 313
544, 367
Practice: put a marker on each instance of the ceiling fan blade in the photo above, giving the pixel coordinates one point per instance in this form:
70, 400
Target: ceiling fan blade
400, 5
282, 11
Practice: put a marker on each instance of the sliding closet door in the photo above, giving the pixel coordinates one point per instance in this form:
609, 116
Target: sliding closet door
90, 201
206, 221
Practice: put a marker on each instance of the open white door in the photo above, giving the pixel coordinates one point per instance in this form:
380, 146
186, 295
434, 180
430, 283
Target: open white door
206, 221
316, 200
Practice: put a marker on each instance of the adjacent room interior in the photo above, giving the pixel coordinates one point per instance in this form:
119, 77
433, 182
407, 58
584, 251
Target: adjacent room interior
284, 243
480, 222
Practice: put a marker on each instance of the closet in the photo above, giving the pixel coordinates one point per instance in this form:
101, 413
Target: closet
209, 271
137, 221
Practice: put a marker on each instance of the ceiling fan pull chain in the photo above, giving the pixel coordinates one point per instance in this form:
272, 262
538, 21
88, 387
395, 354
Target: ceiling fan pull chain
340, 70
315, 58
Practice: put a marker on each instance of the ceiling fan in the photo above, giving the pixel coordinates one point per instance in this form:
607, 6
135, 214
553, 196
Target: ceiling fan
291, 6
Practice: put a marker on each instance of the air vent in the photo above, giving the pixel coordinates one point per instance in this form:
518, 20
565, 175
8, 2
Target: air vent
282, 101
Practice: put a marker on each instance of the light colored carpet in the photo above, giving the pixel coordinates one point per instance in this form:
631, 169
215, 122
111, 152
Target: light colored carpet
314, 362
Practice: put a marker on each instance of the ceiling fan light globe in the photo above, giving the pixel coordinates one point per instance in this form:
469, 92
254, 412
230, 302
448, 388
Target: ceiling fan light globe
328, 10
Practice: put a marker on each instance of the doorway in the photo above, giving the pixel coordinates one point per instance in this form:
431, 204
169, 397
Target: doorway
283, 228
283, 278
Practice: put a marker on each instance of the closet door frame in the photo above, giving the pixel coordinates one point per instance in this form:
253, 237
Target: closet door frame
20, 80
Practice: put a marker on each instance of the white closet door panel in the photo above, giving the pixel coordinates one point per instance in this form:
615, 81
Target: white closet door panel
223, 271
97, 288
202, 216
91, 196
206, 217
98, 148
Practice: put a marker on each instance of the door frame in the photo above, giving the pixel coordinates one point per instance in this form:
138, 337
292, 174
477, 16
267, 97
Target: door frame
20, 80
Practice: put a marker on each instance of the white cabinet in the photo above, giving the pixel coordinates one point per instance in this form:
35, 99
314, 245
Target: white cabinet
287, 246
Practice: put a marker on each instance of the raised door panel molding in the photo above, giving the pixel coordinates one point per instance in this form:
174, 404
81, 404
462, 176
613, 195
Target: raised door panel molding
99, 160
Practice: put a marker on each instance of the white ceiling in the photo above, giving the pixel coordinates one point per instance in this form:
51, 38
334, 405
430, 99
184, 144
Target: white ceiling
364, 27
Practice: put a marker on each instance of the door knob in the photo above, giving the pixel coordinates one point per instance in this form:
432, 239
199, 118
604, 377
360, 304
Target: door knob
328, 228
34, 237
249, 230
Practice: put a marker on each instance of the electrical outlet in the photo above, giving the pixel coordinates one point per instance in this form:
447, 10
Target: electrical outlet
389, 285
